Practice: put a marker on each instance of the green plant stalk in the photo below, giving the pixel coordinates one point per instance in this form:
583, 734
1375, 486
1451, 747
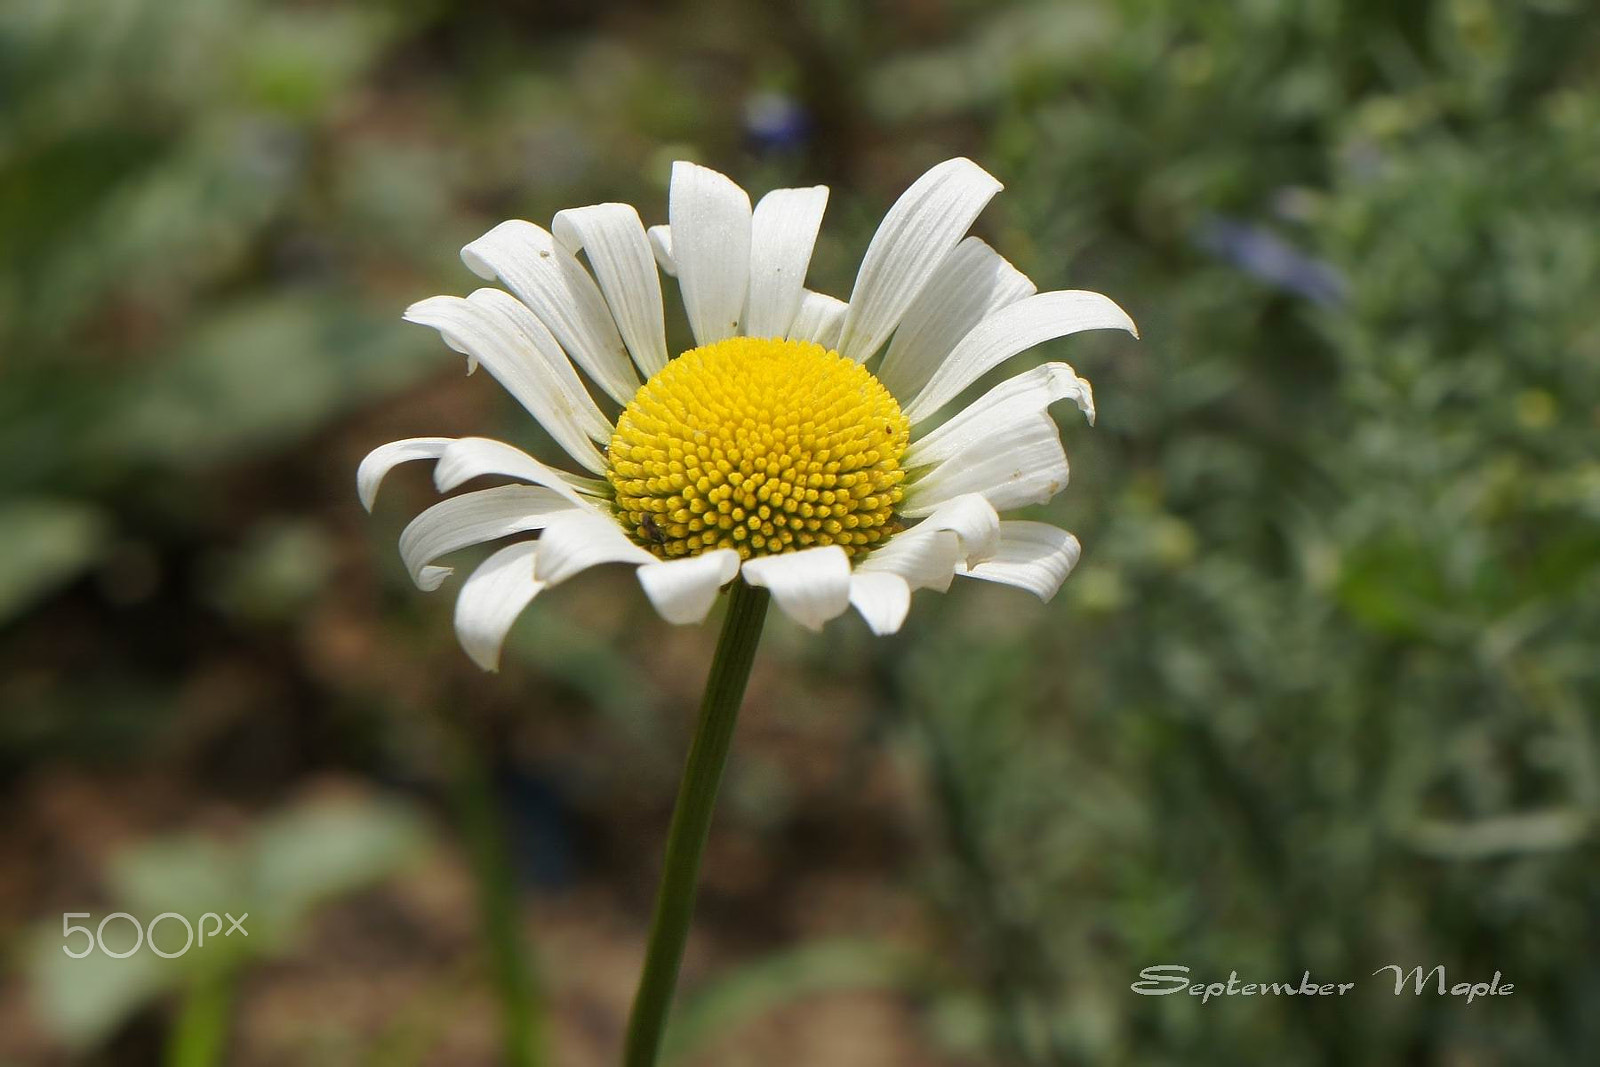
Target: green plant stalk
691, 820
521, 1019
200, 1035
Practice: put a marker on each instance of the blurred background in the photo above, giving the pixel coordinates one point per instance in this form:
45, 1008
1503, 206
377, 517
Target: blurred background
1321, 694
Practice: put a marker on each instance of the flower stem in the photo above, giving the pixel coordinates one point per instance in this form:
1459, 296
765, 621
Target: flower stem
691, 819
200, 1038
521, 1021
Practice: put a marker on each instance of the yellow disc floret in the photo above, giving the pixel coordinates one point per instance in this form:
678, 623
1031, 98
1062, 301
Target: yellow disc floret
763, 446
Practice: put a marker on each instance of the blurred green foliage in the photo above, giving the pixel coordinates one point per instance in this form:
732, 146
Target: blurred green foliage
270, 882
1322, 694
1323, 690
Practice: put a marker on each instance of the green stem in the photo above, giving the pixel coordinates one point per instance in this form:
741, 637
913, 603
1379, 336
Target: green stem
691, 819
520, 1020
201, 1034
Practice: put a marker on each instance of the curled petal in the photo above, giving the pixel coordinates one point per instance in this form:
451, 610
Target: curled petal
491, 599
567, 393
385, 458
972, 519
1014, 329
1030, 555
661, 245
548, 278
579, 540
995, 414
523, 357
925, 557
1026, 465
811, 586
472, 519
683, 590
473, 457
882, 597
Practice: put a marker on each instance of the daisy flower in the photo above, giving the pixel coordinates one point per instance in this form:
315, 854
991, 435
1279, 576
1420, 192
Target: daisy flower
797, 444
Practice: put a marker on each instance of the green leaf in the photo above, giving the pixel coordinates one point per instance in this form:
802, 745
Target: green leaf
746, 993
47, 544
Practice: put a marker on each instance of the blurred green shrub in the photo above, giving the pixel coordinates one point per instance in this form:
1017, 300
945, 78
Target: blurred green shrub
1323, 693
160, 301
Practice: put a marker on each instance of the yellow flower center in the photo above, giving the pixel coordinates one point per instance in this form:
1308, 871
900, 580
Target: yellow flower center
762, 446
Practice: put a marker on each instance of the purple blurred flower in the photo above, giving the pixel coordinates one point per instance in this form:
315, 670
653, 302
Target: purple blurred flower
775, 122
1264, 255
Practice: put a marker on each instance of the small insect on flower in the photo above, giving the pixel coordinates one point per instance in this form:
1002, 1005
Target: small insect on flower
794, 444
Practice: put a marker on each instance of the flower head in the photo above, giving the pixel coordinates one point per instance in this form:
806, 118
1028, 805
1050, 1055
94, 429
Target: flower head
772, 448
760, 445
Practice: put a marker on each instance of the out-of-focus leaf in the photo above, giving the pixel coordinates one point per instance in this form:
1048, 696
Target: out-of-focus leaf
1005, 53
298, 59
47, 542
81, 1001
744, 993
190, 875
1544, 831
276, 872
258, 374
281, 567
320, 850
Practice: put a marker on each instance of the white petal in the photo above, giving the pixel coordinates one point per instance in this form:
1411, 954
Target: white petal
618, 250
1031, 555
1024, 466
710, 218
471, 519
819, 319
524, 358
385, 458
925, 557
492, 598
997, 412
972, 519
973, 282
811, 586
567, 394
782, 234
473, 457
661, 245
913, 239
1013, 329
550, 280
882, 598
579, 540
683, 590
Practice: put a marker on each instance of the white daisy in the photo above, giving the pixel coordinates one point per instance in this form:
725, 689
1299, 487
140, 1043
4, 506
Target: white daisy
769, 450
